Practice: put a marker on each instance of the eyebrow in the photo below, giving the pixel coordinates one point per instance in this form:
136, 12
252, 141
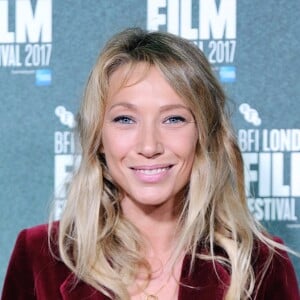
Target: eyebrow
124, 104
174, 106
162, 108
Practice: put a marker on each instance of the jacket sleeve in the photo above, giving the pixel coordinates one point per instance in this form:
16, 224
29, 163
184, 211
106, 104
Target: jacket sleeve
19, 280
280, 281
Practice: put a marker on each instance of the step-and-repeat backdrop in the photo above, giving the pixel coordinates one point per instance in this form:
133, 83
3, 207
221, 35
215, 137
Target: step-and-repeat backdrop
47, 48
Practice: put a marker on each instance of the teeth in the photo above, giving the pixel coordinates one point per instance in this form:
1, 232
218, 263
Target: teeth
152, 171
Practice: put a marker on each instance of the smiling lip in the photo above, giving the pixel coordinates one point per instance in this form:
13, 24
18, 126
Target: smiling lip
151, 174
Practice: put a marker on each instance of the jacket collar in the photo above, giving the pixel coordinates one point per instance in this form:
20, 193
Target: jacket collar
206, 281
70, 289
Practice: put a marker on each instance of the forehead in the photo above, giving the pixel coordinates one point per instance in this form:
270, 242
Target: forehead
128, 75
142, 81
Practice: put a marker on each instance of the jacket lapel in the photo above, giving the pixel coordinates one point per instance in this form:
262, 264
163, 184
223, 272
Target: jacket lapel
70, 290
205, 282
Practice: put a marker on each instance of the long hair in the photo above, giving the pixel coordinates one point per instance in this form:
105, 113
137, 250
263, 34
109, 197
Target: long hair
95, 240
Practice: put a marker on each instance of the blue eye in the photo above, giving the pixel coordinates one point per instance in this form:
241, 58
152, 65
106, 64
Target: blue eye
123, 120
174, 120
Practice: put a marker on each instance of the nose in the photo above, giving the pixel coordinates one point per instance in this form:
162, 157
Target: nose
149, 143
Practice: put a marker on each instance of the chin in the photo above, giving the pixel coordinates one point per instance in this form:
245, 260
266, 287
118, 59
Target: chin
154, 200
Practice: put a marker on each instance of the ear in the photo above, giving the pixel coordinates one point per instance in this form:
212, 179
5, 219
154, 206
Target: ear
100, 148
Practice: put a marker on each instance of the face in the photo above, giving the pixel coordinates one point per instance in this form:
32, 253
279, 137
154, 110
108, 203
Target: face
149, 138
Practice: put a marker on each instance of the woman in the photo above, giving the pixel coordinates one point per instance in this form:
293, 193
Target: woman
157, 209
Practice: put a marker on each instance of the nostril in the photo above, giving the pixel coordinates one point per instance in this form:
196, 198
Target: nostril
150, 150
150, 146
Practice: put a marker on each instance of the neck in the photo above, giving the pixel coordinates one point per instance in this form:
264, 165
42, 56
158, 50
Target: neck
157, 224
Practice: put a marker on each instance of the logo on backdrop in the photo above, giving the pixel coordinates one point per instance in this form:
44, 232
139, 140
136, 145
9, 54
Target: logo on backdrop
65, 158
210, 24
272, 176
26, 38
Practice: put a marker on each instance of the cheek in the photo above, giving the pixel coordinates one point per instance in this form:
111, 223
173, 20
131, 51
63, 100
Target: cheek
185, 144
188, 149
115, 146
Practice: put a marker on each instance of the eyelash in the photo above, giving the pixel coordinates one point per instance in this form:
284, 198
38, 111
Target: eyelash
123, 119
174, 120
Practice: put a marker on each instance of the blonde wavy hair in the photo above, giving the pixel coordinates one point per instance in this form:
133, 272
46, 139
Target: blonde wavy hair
96, 241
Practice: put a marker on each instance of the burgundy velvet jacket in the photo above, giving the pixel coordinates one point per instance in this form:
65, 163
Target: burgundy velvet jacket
33, 273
